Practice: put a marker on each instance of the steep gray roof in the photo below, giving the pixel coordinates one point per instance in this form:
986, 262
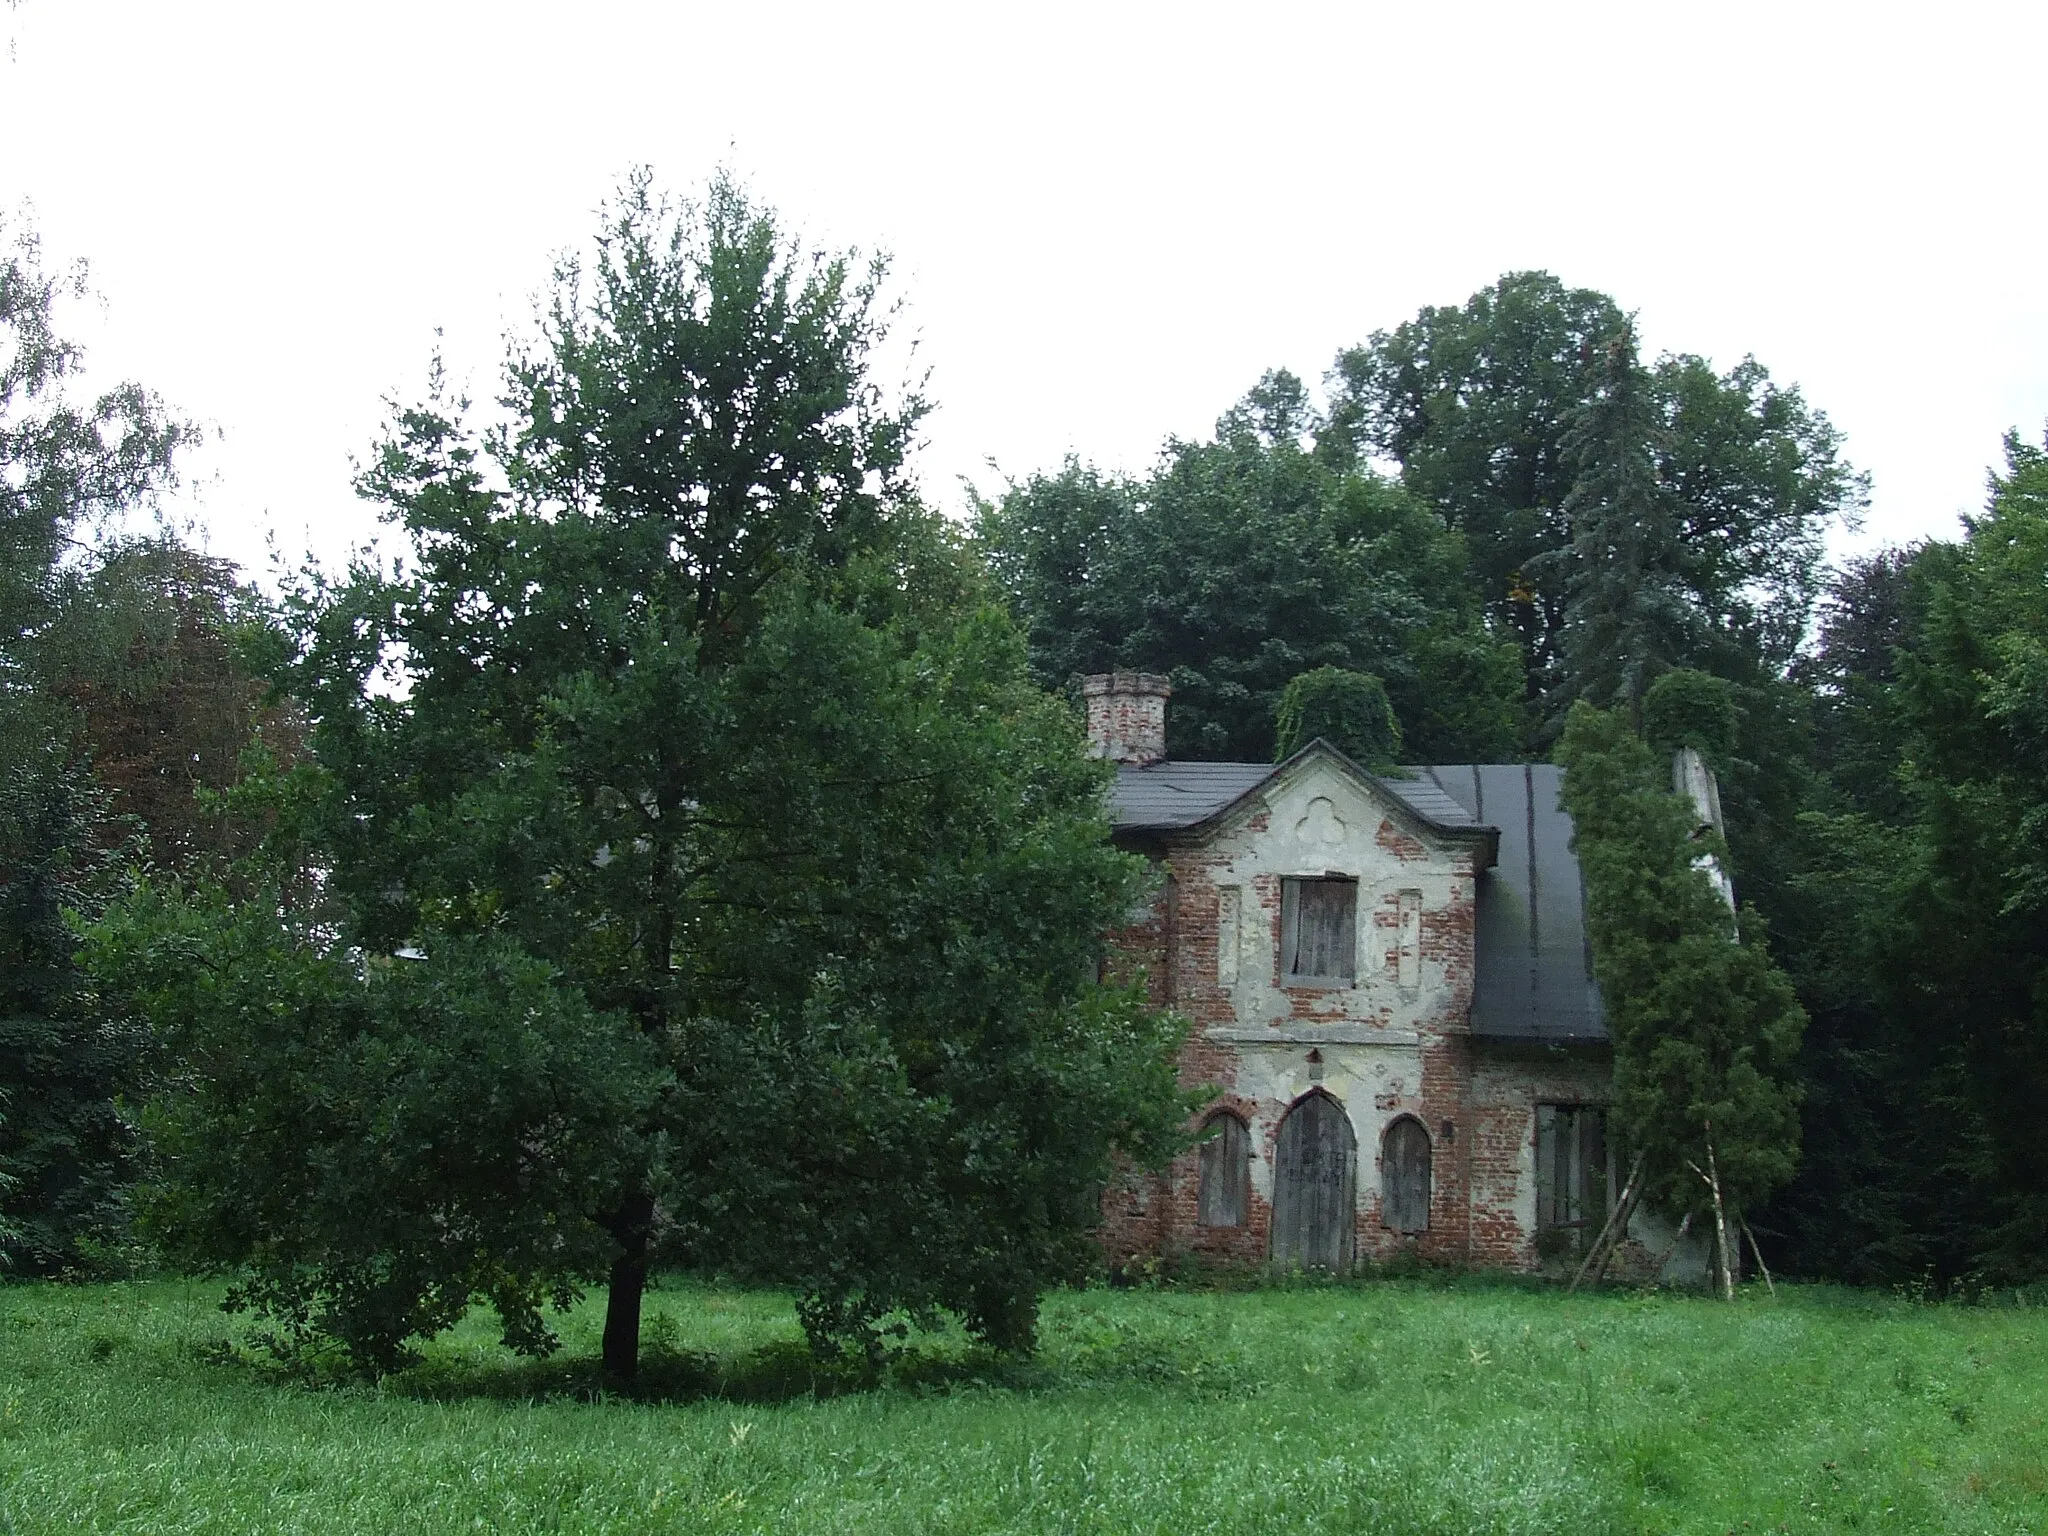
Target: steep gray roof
1165, 797
1171, 796
1534, 978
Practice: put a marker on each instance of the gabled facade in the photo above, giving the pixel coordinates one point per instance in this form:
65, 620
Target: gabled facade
1389, 982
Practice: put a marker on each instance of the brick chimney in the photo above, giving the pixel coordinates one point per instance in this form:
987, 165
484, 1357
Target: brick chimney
1126, 716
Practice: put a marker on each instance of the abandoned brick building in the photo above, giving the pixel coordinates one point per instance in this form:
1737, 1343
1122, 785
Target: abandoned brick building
1389, 983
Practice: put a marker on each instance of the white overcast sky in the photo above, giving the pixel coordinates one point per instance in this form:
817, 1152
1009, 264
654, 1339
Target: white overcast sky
1106, 220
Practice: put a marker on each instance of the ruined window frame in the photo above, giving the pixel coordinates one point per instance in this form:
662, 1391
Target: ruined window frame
1576, 1147
1293, 889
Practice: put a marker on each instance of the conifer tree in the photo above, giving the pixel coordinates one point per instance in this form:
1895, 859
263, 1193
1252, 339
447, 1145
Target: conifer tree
1625, 619
1706, 1028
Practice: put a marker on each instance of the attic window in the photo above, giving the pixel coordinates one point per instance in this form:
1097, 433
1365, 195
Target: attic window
1319, 930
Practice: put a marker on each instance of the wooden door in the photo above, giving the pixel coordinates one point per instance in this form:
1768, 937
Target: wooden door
1314, 1182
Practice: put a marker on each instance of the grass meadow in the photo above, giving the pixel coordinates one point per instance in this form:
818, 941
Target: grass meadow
1384, 1406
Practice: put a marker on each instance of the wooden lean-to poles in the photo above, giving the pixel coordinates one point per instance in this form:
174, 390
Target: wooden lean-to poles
1616, 1229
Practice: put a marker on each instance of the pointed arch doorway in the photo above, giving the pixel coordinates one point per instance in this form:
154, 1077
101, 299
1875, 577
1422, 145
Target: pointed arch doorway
1314, 1186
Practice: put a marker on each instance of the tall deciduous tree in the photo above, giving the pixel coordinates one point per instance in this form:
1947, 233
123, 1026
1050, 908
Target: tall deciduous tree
73, 465
1242, 562
704, 737
1476, 403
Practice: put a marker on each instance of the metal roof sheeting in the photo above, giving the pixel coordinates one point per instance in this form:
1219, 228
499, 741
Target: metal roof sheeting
1534, 968
1169, 796
1533, 962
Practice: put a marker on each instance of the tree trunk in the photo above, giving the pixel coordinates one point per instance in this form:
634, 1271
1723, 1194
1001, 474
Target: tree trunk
631, 1226
1720, 1221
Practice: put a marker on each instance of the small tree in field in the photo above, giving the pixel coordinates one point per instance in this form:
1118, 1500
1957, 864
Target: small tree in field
1706, 1029
690, 745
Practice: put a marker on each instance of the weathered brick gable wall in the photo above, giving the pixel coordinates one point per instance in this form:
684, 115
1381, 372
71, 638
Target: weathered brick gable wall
1394, 1044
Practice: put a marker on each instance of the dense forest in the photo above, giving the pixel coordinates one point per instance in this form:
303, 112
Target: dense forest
713, 745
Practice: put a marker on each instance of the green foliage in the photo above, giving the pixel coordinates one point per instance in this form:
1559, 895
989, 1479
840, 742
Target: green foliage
72, 466
683, 704
373, 1145
1239, 564
1688, 708
1706, 1029
1491, 409
67, 1146
157, 657
71, 469
1910, 914
1347, 709
1966, 996
1625, 615
1512, 1412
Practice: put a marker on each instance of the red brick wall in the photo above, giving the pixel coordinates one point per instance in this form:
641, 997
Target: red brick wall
1476, 1101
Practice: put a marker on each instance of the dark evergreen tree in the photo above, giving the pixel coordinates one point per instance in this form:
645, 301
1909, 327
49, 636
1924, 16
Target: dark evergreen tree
68, 1146
1706, 1028
1625, 616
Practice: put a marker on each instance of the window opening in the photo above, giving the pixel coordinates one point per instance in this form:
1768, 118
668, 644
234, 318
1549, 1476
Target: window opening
1571, 1177
1319, 930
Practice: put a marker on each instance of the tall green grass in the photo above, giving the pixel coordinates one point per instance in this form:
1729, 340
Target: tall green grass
1383, 1407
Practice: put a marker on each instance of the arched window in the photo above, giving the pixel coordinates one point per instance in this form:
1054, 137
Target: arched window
1226, 1171
1404, 1177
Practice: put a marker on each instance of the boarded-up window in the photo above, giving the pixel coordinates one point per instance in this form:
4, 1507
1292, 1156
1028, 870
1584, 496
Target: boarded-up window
1571, 1175
1319, 930
1404, 1177
1226, 1171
